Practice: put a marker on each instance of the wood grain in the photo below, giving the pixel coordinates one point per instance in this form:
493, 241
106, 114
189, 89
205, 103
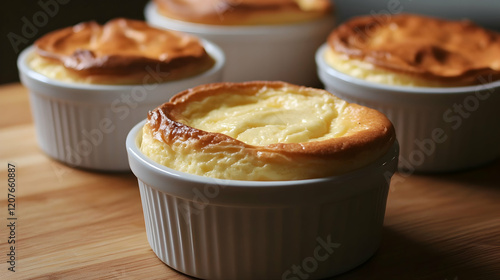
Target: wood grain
77, 224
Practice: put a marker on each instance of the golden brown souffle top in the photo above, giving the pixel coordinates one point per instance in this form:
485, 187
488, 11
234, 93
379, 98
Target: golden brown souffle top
166, 122
431, 48
121, 47
244, 12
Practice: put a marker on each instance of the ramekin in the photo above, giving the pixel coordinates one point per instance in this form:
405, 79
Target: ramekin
439, 129
273, 52
229, 229
85, 125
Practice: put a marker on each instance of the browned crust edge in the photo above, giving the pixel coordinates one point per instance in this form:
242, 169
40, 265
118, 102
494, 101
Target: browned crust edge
241, 13
84, 63
380, 136
352, 30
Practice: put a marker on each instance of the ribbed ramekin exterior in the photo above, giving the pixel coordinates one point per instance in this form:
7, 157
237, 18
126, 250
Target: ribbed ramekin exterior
439, 130
470, 144
259, 52
83, 134
85, 125
232, 242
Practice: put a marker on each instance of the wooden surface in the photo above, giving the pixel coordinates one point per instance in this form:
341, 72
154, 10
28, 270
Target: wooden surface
75, 224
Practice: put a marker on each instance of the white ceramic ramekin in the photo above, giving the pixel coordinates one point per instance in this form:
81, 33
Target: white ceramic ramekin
228, 229
439, 129
275, 52
85, 125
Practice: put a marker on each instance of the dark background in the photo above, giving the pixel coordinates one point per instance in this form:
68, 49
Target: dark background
12, 13
71, 12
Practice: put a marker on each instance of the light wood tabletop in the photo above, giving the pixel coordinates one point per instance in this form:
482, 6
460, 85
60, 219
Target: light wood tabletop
77, 224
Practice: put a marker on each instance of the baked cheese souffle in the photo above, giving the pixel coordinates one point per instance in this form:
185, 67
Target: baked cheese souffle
244, 12
122, 51
412, 50
264, 131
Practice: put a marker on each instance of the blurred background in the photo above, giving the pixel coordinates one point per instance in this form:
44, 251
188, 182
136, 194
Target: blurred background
47, 15
22, 22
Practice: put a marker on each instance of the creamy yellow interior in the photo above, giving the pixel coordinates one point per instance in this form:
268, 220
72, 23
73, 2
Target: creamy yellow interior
53, 70
270, 116
57, 71
369, 72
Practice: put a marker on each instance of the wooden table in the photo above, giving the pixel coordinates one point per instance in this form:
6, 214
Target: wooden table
75, 224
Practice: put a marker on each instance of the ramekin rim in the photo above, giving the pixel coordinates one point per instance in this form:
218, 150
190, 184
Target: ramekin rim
133, 150
227, 30
213, 49
323, 65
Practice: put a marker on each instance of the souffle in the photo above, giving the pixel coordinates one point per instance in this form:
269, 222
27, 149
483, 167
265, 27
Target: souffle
263, 131
413, 50
121, 51
244, 12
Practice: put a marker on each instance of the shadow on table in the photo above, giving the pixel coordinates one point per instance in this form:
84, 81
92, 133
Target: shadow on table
487, 176
402, 258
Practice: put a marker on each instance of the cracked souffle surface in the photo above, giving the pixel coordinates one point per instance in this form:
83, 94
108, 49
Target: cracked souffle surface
413, 50
122, 51
264, 131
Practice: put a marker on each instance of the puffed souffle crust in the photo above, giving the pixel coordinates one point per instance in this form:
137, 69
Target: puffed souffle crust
244, 12
122, 51
415, 50
264, 131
